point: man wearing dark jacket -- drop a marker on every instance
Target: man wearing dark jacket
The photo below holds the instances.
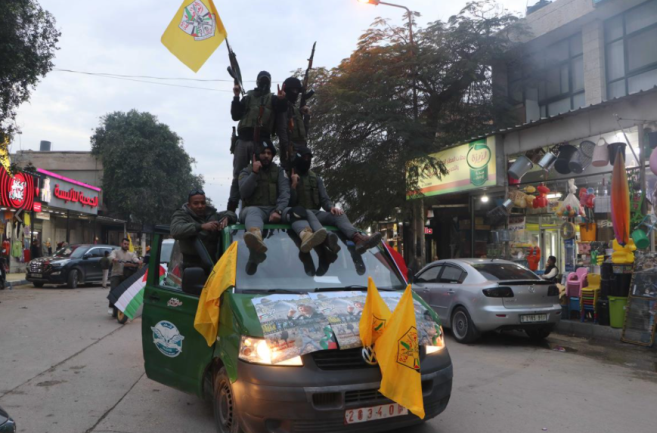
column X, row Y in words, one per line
column 293, row 135
column 257, row 114
column 308, row 191
column 198, row 220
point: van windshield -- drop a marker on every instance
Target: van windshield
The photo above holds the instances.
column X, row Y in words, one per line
column 284, row 268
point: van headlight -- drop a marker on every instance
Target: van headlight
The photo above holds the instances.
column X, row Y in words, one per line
column 438, row 344
column 257, row 351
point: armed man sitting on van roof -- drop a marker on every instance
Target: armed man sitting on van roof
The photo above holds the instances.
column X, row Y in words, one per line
column 265, row 192
column 308, row 192
column 196, row 219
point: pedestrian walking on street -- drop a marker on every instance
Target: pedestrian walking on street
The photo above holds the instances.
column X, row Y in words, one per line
column 121, row 258
column 195, row 219
column 105, row 264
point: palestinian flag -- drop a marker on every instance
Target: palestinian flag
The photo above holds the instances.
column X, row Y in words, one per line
column 129, row 295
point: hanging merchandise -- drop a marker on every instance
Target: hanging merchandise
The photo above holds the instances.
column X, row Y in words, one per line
column 500, row 213
column 614, row 148
column 9, row 215
column 533, row 257
column 17, row 249
column 580, row 160
column 565, row 154
column 620, row 200
column 567, row 230
column 640, row 236
column 570, row 207
column 587, row 202
column 518, row 198
column 26, row 219
column 601, row 154
column 623, row 255
column 588, row 232
column 529, row 198
column 541, row 201
column 520, row 167
column 548, row 160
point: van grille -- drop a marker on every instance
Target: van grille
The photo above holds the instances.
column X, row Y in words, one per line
column 340, row 359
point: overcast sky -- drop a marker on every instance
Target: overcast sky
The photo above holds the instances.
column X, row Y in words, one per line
column 123, row 37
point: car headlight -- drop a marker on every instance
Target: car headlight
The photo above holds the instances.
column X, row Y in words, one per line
column 257, row 351
column 438, row 344
column 59, row 264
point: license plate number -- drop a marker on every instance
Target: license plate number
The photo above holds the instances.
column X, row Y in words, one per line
column 354, row 416
column 529, row 318
column 37, row 275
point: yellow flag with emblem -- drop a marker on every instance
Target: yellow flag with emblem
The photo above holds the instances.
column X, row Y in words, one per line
column 222, row 277
column 131, row 247
column 194, row 33
column 374, row 317
column 398, row 354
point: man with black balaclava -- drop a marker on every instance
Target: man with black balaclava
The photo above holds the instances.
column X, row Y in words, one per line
column 294, row 135
column 257, row 116
column 265, row 192
column 307, row 191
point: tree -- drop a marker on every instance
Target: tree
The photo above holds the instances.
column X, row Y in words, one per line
column 364, row 132
column 28, row 41
column 147, row 172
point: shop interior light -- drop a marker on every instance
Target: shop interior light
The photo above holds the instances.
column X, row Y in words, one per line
column 484, row 198
column 554, row 195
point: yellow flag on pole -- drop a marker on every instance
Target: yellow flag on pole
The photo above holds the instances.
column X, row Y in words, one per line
column 398, row 354
column 131, row 247
column 194, row 33
column 4, row 154
column 222, row 277
column 374, row 317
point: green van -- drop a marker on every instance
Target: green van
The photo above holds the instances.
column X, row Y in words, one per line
column 323, row 391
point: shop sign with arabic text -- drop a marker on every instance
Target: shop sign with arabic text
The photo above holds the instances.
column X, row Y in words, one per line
column 73, row 197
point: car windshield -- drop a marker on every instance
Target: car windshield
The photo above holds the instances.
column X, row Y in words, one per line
column 71, row 251
column 504, row 271
column 284, row 268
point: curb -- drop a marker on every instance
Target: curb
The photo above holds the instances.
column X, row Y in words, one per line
column 588, row 330
column 12, row 284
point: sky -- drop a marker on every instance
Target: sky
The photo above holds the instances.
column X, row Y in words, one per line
column 123, row 37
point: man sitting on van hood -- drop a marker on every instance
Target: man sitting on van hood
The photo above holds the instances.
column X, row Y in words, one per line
column 308, row 191
column 265, row 191
column 196, row 219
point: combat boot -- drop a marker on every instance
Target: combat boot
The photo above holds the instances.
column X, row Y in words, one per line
column 310, row 240
column 253, row 240
column 364, row 242
column 332, row 242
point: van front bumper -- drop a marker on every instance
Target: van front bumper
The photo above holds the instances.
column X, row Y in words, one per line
column 308, row 399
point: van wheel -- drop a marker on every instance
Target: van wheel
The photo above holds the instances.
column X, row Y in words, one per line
column 120, row 316
column 463, row 329
column 73, row 279
column 223, row 404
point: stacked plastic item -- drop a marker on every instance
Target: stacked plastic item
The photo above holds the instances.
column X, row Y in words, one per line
column 575, row 281
column 589, row 298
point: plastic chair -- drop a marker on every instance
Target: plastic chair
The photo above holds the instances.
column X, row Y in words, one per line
column 575, row 281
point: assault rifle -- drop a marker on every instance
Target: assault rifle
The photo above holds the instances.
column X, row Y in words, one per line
column 234, row 68
column 305, row 94
column 233, row 141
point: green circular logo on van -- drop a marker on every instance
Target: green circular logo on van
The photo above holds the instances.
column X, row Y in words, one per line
column 478, row 157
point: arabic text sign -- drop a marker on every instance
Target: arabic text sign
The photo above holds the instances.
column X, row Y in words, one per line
column 73, row 197
column 470, row 166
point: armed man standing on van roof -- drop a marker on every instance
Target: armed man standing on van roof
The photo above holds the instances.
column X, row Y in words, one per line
column 265, row 191
column 257, row 114
column 196, row 219
column 294, row 135
column 308, row 192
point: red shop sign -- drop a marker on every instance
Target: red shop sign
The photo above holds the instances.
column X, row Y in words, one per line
column 18, row 191
column 75, row 196
column 37, row 207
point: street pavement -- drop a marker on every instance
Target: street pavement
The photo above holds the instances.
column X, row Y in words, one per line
column 65, row 366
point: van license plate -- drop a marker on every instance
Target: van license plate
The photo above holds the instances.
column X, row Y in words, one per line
column 533, row 318
column 37, row 275
column 353, row 416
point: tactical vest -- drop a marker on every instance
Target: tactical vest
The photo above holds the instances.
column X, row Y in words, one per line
column 266, row 192
column 308, row 191
column 298, row 130
column 250, row 118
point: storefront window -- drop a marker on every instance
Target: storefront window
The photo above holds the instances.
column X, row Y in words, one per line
column 631, row 50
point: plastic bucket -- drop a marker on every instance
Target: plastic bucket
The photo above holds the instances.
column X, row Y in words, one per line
column 547, row 161
column 617, row 311
column 601, row 155
column 581, row 159
column 520, row 167
column 603, row 312
column 566, row 152
column 614, row 149
column 640, row 239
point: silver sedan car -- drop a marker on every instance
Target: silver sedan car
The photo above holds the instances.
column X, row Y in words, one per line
column 472, row 296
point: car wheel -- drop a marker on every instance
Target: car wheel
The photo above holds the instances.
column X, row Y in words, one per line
column 73, row 279
column 223, row 404
column 38, row 285
column 538, row 334
column 120, row 316
column 462, row 327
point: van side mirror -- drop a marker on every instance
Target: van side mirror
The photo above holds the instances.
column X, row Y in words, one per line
column 193, row 281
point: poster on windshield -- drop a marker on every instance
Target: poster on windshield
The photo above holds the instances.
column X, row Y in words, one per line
column 428, row 329
column 343, row 311
column 293, row 326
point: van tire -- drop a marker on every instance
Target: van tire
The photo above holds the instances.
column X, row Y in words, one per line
column 226, row 419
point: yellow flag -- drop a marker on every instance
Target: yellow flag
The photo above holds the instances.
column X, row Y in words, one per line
column 131, row 248
column 4, row 154
column 194, row 33
column 398, row 353
column 375, row 315
column 222, row 277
